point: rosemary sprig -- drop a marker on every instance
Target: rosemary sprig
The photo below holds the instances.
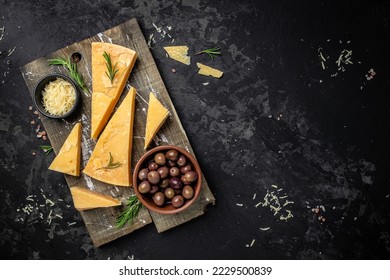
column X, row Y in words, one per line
column 111, row 70
column 46, row 149
column 72, row 68
column 111, row 164
column 131, row 211
column 211, row 52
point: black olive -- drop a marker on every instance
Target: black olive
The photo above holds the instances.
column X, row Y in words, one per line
column 171, row 163
column 191, row 176
column 159, row 198
column 143, row 174
column 160, row 159
column 178, row 201
column 153, row 177
column 182, row 160
column 154, row 189
column 187, row 192
column 185, row 169
column 163, row 171
column 164, row 183
column 169, row 193
column 144, row 187
column 175, row 183
column 174, row 171
column 172, row 155
column 184, row 180
column 153, row 166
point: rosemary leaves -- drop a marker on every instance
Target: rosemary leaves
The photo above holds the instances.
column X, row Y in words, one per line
column 111, row 71
column 72, row 68
column 46, row 149
column 211, row 52
column 111, row 164
column 131, row 211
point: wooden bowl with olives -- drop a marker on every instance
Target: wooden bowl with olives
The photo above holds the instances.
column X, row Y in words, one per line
column 167, row 179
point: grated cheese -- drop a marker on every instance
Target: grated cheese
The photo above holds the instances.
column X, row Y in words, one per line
column 58, row 97
column 276, row 204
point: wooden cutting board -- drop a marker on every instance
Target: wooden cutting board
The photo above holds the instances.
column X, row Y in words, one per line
column 146, row 78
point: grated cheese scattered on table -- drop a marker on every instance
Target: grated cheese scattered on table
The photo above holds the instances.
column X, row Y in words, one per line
column 38, row 208
column 277, row 204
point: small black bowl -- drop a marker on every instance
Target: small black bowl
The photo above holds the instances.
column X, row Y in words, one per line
column 38, row 95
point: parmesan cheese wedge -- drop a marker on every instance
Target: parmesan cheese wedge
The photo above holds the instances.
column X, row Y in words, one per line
column 157, row 114
column 179, row 53
column 68, row 158
column 208, row 71
column 110, row 161
column 105, row 94
column 84, row 199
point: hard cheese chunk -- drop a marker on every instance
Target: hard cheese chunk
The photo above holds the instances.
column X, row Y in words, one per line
column 111, row 159
column 105, row 94
column 179, row 53
column 68, row 158
column 157, row 115
column 84, row 199
column 208, row 71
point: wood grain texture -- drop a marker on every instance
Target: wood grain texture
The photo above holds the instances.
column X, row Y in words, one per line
column 146, row 78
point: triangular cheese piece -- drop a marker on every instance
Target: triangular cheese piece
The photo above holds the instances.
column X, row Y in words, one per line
column 179, row 53
column 84, row 199
column 105, row 94
column 209, row 71
column 110, row 161
column 157, row 115
column 68, row 158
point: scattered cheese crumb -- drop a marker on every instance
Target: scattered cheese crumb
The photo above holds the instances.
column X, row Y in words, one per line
column 11, row 51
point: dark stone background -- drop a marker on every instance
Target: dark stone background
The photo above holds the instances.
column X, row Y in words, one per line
column 275, row 118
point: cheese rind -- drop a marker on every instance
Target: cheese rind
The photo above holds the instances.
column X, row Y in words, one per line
column 84, row 199
column 105, row 94
column 117, row 140
column 68, row 158
column 157, row 114
column 179, row 53
column 209, row 71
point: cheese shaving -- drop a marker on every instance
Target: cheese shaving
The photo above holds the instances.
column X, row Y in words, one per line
column 179, row 53
column 209, row 71
column 58, row 97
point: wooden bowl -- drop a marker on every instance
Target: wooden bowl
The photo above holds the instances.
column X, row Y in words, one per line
column 147, row 199
column 38, row 95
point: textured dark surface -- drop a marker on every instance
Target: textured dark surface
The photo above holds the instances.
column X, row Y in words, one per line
column 275, row 118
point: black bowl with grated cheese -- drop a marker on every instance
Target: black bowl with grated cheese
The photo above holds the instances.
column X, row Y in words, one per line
column 59, row 96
